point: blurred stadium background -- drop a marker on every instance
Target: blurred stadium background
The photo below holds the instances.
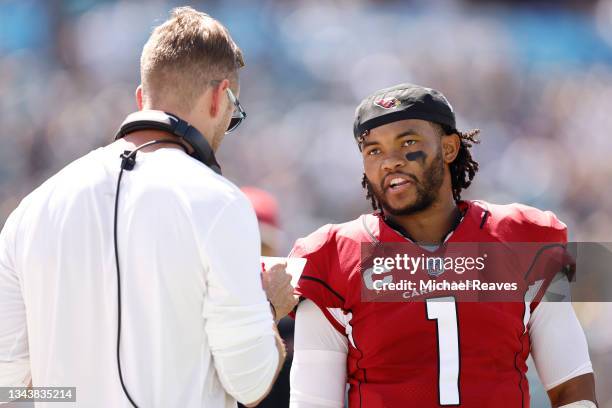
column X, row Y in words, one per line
column 534, row 76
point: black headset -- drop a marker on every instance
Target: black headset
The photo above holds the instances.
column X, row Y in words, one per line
column 182, row 133
column 167, row 122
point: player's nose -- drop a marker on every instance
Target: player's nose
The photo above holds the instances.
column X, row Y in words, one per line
column 393, row 162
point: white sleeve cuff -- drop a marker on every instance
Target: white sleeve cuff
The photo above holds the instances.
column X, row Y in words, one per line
column 580, row 404
column 586, row 368
column 244, row 349
column 15, row 374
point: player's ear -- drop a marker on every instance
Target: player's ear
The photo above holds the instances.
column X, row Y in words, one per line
column 218, row 97
column 450, row 147
column 139, row 97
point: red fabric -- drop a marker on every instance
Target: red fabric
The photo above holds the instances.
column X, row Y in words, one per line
column 393, row 352
column 265, row 205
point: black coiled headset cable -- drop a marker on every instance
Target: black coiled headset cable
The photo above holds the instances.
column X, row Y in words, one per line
column 127, row 163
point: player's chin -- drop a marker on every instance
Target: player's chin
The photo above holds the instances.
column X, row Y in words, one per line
column 399, row 207
column 399, row 201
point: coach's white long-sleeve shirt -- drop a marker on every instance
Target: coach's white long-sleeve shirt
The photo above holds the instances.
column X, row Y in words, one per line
column 196, row 328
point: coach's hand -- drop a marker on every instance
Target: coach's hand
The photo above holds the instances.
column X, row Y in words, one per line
column 277, row 285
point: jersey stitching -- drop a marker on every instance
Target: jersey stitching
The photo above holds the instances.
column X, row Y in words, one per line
column 365, row 378
column 322, row 282
column 520, row 384
column 537, row 255
column 337, row 324
column 485, row 215
column 370, row 233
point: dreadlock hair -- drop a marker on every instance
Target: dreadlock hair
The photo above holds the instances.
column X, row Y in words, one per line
column 462, row 169
column 369, row 194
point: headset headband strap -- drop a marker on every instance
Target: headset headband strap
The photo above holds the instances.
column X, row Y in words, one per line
column 167, row 122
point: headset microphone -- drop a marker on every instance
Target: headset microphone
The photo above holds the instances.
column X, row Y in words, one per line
column 182, row 132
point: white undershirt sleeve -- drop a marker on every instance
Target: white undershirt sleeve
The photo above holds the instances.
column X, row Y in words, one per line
column 558, row 344
column 238, row 320
column 318, row 372
column 14, row 354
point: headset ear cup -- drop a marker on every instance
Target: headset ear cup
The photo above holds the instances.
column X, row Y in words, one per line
column 201, row 149
column 146, row 120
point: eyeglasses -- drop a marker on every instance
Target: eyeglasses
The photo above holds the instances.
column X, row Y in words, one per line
column 238, row 115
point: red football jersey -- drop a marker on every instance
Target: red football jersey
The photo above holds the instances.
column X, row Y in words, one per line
column 417, row 354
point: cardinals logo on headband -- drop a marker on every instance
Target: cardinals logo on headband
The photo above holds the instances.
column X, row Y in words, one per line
column 387, row 103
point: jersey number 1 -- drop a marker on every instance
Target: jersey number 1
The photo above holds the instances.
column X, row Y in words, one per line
column 444, row 311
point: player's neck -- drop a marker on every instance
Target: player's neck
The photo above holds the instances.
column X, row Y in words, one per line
column 431, row 225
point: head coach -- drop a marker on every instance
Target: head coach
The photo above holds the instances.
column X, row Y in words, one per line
column 134, row 273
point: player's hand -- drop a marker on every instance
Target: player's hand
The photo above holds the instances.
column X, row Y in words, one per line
column 277, row 285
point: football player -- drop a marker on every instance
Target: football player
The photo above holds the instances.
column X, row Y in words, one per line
column 426, row 354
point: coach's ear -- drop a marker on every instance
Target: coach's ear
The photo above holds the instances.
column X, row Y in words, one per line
column 450, row 147
column 219, row 98
column 139, row 97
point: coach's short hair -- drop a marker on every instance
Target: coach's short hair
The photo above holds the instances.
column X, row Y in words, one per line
column 184, row 55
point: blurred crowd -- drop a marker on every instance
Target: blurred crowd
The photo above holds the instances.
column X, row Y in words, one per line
column 535, row 77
